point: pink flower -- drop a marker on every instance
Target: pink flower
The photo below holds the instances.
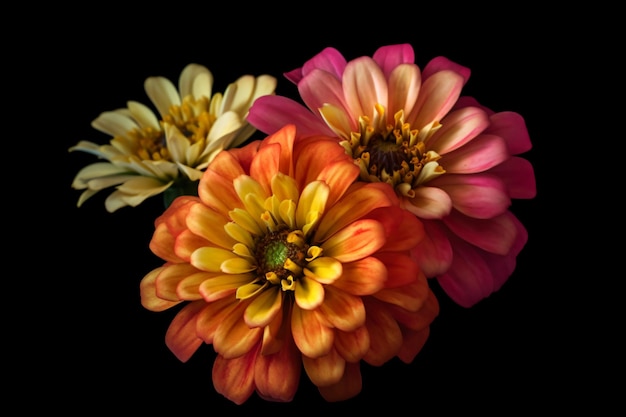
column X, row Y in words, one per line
column 454, row 163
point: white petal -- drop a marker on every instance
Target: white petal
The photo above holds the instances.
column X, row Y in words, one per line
column 196, row 80
column 143, row 115
column 162, row 93
column 114, row 124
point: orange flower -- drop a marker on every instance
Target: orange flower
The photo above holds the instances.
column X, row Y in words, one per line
column 286, row 263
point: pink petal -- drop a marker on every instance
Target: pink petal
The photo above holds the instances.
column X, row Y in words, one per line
column 364, row 86
column 404, row 86
column 319, row 88
column 389, row 57
column 437, row 96
column 512, row 127
column 477, row 195
column 458, row 128
column 428, row 203
column 480, row 154
column 272, row 112
column 329, row 60
column 441, row 63
column 469, row 279
column 519, row 176
column 495, row 235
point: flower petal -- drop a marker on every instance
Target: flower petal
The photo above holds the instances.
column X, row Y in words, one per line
column 325, row 370
column 234, row 377
column 342, row 310
column 312, row 337
column 181, row 337
column 359, row 240
column 362, row 277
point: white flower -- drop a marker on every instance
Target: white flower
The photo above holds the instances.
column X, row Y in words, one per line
column 148, row 155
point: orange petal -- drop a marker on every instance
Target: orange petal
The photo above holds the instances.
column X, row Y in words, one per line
column 410, row 297
column 325, row 370
column 162, row 244
column 413, row 342
column 385, row 334
column 209, row 224
column 362, row 277
column 233, row 337
column 181, row 337
column 401, row 268
column 349, row 386
column 211, row 317
column 234, row 378
column 147, row 290
column 277, row 376
column 342, row 310
column 169, row 278
column 312, row 337
column 285, row 137
column 351, row 207
column 352, row 346
column 359, row 240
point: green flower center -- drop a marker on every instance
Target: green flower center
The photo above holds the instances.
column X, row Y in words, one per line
column 281, row 256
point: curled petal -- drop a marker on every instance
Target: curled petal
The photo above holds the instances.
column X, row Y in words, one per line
column 324, row 270
column 428, row 203
column 309, row 293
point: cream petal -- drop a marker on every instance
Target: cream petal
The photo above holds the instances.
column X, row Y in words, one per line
column 162, row 93
column 227, row 123
column 429, row 203
column 177, row 143
column 195, row 80
column 144, row 116
column 114, row 123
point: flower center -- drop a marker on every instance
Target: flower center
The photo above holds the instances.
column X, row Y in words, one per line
column 395, row 154
column 192, row 118
column 281, row 256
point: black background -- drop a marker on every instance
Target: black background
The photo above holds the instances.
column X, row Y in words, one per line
column 97, row 349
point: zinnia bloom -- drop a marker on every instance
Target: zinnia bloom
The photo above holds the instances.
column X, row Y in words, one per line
column 454, row 163
column 285, row 262
column 148, row 155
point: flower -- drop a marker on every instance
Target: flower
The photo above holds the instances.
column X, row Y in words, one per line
column 149, row 156
column 453, row 162
column 285, row 262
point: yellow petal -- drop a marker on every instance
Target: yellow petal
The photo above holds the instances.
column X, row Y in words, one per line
column 221, row 286
column 311, row 205
column 264, row 307
column 324, row 269
column 309, row 293
column 210, row 259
